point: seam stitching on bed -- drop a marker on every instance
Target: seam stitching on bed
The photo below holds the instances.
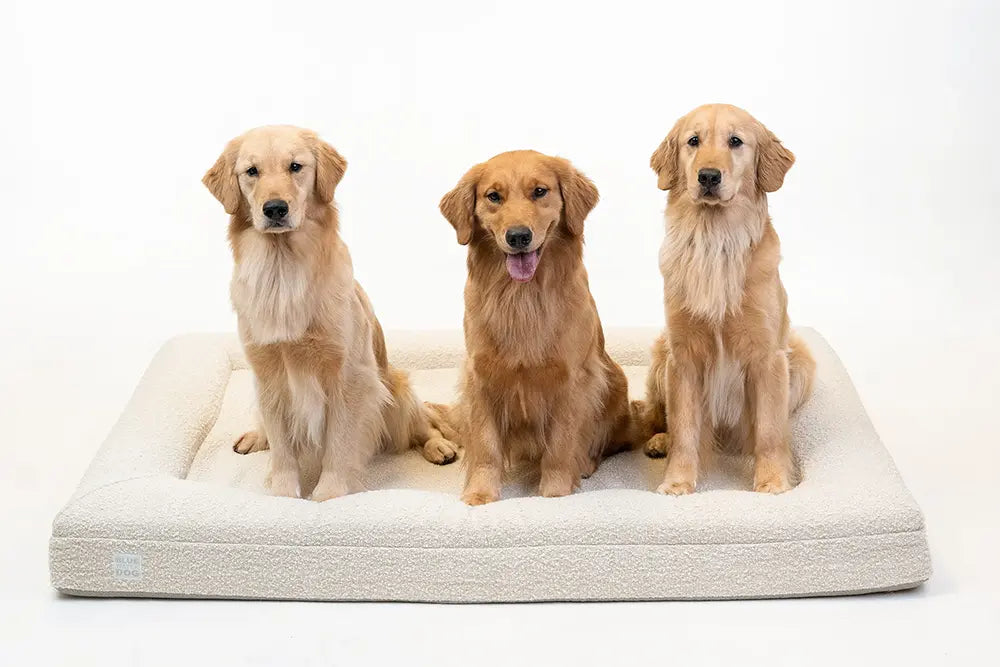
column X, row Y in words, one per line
column 489, row 548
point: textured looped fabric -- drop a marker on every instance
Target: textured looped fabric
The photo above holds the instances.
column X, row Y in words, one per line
column 167, row 509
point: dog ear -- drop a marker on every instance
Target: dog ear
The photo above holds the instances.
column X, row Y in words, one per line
column 579, row 195
column 459, row 206
column 330, row 168
column 773, row 161
column 664, row 160
column 221, row 178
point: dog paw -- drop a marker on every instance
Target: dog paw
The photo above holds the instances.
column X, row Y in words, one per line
column 556, row 483
column 440, row 451
column 479, row 497
column 656, row 447
column 676, row 486
column 774, row 485
column 332, row 485
column 772, row 476
column 555, row 490
column 250, row 442
column 286, row 486
column 322, row 495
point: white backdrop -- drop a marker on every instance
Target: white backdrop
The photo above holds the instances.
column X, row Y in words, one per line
column 112, row 113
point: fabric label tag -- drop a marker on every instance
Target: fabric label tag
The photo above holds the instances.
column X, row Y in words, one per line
column 127, row 566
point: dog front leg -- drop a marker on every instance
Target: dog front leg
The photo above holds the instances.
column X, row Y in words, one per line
column 283, row 478
column 684, row 405
column 559, row 467
column 484, row 459
column 769, row 386
column 352, row 437
column 566, row 455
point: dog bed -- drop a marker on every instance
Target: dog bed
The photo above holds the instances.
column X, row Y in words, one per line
column 167, row 509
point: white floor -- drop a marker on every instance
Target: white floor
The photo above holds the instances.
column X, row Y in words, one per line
column 935, row 417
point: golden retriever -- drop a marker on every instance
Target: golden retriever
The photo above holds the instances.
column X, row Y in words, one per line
column 728, row 370
column 537, row 384
column 328, row 398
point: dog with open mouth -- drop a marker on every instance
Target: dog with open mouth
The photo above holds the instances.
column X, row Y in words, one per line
column 537, row 385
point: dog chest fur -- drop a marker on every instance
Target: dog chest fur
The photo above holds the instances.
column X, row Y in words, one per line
column 724, row 388
column 269, row 290
column 704, row 264
column 519, row 393
column 306, row 407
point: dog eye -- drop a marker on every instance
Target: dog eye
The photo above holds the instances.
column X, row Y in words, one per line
column 693, row 141
column 493, row 197
column 294, row 167
column 252, row 171
column 540, row 192
column 735, row 142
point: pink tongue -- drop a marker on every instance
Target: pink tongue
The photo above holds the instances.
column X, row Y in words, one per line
column 522, row 267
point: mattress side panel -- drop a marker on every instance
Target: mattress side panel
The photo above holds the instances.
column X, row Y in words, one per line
column 517, row 574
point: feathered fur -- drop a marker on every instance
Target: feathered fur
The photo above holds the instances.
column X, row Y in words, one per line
column 537, row 386
column 727, row 370
column 327, row 397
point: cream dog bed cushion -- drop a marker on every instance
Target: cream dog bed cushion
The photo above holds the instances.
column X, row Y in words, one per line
column 167, row 509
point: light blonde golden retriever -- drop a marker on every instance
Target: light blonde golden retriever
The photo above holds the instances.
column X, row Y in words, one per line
column 327, row 396
column 537, row 384
column 728, row 370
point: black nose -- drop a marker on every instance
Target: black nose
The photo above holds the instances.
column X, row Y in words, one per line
column 518, row 238
column 709, row 178
column 276, row 209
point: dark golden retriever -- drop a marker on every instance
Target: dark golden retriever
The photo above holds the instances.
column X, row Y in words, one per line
column 537, row 385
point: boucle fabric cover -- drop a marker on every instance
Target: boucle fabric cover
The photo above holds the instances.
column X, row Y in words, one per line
column 167, row 509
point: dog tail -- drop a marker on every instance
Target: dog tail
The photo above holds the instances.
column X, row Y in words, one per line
column 402, row 414
column 631, row 430
column 801, row 371
column 645, row 422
